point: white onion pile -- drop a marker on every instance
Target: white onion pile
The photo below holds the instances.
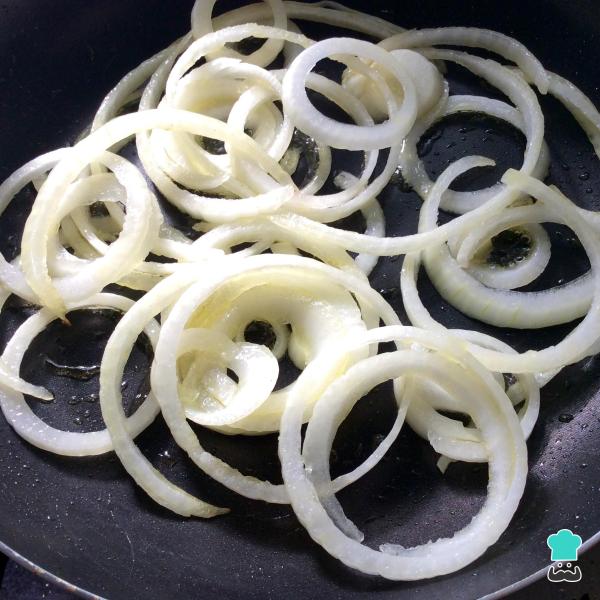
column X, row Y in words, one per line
column 295, row 271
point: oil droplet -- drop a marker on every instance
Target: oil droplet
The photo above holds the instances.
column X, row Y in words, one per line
column 584, row 176
column 565, row 418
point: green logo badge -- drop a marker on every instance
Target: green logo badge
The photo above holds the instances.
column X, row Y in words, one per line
column 564, row 545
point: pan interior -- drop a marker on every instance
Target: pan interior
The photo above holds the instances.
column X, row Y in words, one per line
column 85, row 521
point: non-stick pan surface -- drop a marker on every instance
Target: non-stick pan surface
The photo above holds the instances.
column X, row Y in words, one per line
column 86, row 522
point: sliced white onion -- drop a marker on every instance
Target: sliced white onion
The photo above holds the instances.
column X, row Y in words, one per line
column 489, row 407
column 340, row 135
column 31, row 427
column 266, row 253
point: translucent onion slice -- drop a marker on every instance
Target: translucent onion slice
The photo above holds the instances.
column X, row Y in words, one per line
column 572, row 348
column 340, row 135
column 510, row 308
column 425, row 76
column 326, row 12
column 489, row 407
column 472, row 37
column 202, row 24
column 115, row 355
column 211, row 403
column 10, row 275
column 528, row 118
column 450, row 437
column 119, row 347
column 36, row 235
column 30, row 427
column 164, row 381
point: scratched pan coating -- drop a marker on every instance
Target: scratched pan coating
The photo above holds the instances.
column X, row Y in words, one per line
column 84, row 521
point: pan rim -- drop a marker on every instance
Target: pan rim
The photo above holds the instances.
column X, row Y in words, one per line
column 45, row 574
column 79, row 591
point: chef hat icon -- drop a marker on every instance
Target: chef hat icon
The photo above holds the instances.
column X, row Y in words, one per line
column 564, row 545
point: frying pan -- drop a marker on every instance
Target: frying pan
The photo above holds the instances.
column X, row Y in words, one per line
column 83, row 520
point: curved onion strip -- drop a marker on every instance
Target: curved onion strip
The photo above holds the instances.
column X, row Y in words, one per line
column 35, row 235
column 111, row 372
column 10, row 275
column 248, row 361
column 139, row 231
column 413, row 169
column 202, row 24
column 119, row 347
column 164, row 382
column 472, row 37
column 340, row 135
column 331, row 207
column 510, row 308
column 129, row 85
column 392, row 246
column 326, row 12
column 449, row 436
column 572, row 348
column 203, row 46
column 508, row 458
column 521, row 273
column 529, row 119
column 31, row 427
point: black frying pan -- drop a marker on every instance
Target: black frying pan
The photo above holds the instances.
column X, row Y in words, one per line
column 85, row 521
